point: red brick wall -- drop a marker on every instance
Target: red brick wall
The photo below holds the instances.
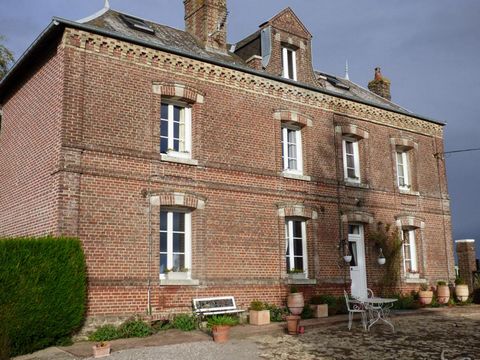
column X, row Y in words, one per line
column 110, row 161
column 29, row 149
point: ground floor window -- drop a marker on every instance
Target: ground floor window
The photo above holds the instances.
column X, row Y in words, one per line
column 175, row 241
column 410, row 265
column 296, row 245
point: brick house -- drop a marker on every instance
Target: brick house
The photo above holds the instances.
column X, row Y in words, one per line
column 238, row 167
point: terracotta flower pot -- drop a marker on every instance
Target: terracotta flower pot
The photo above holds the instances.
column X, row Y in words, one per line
column 443, row 294
column 101, row 350
column 425, row 297
column 292, row 324
column 461, row 291
column 220, row 333
column 295, row 303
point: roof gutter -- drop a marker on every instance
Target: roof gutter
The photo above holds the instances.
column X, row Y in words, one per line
column 59, row 21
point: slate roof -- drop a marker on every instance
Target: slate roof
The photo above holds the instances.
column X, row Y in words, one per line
column 110, row 23
column 163, row 36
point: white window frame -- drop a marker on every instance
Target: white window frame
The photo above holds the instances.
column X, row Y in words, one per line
column 299, row 150
column 406, row 171
column 356, row 159
column 411, row 256
column 188, row 241
column 289, row 244
column 286, row 73
column 186, row 112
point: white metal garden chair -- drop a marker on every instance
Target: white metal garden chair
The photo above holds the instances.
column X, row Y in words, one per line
column 355, row 306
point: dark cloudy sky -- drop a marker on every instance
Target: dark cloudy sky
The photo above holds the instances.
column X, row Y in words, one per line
column 430, row 50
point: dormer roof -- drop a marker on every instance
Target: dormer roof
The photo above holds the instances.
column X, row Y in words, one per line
column 288, row 21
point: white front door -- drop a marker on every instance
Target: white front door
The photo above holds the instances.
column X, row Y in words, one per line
column 358, row 272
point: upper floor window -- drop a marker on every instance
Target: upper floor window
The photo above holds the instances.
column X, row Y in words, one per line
column 296, row 245
column 292, row 149
column 409, row 251
column 351, row 160
column 175, row 241
column 176, row 130
column 289, row 58
column 403, row 179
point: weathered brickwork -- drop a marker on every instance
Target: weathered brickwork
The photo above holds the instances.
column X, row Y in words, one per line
column 99, row 175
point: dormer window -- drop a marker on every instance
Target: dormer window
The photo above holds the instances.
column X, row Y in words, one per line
column 289, row 63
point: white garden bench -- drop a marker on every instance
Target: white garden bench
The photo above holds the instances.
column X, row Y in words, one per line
column 215, row 306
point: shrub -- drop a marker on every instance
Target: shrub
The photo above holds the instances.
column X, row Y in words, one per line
column 221, row 320
column 405, row 302
column 307, row 312
column 293, row 289
column 460, row 281
column 42, row 300
column 323, row 299
column 441, row 283
column 277, row 314
column 476, row 296
column 162, row 325
column 135, row 328
column 257, row 305
column 105, row 333
column 184, row 322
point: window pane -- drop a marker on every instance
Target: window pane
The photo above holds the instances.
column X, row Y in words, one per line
column 297, row 243
column 164, row 128
column 353, row 251
column 163, row 220
column 178, row 242
column 178, row 262
column 163, row 263
column 178, row 221
column 350, row 162
column 351, row 173
column 292, row 137
column 290, row 64
column 297, row 229
column 163, row 242
column 349, row 147
column 354, row 229
column 176, row 113
column 292, row 164
column 298, row 263
column 176, row 145
column 176, row 130
column 164, row 111
column 163, row 145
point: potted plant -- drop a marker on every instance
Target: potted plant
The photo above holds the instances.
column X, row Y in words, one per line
column 220, row 326
column 425, row 295
column 461, row 289
column 295, row 301
column 101, row 349
column 258, row 313
column 319, row 306
column 443, row 292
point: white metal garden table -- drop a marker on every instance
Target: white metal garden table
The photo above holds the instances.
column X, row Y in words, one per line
column 378, row 310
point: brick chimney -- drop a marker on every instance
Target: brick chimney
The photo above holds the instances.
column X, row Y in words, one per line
column 207, row 21
column 380, row 85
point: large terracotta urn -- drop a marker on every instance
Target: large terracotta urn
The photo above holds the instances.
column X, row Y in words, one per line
column 443, row 294
column 425, row 297
column 461, row 291
column 295, row 303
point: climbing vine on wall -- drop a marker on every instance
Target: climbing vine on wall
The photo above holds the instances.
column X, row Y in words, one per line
column 387, row 237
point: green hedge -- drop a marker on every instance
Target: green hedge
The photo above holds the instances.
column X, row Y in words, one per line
column 43, row 292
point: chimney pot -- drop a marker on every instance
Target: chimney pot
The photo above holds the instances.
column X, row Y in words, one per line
column 380, row 85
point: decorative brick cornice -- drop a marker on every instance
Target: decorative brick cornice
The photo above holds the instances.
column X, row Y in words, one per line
column 178, row 92
column 188, row 200
column 409, row 221
column 292, row 117
column 195, row 69
column 297, row 210
column 358, row 217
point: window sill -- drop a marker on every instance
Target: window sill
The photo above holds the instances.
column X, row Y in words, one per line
column 179, row 160
column 412, row 280
column 290, row 175
column 408, row 192
column 185, row 282
column 352, row 183
column 293, row 281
